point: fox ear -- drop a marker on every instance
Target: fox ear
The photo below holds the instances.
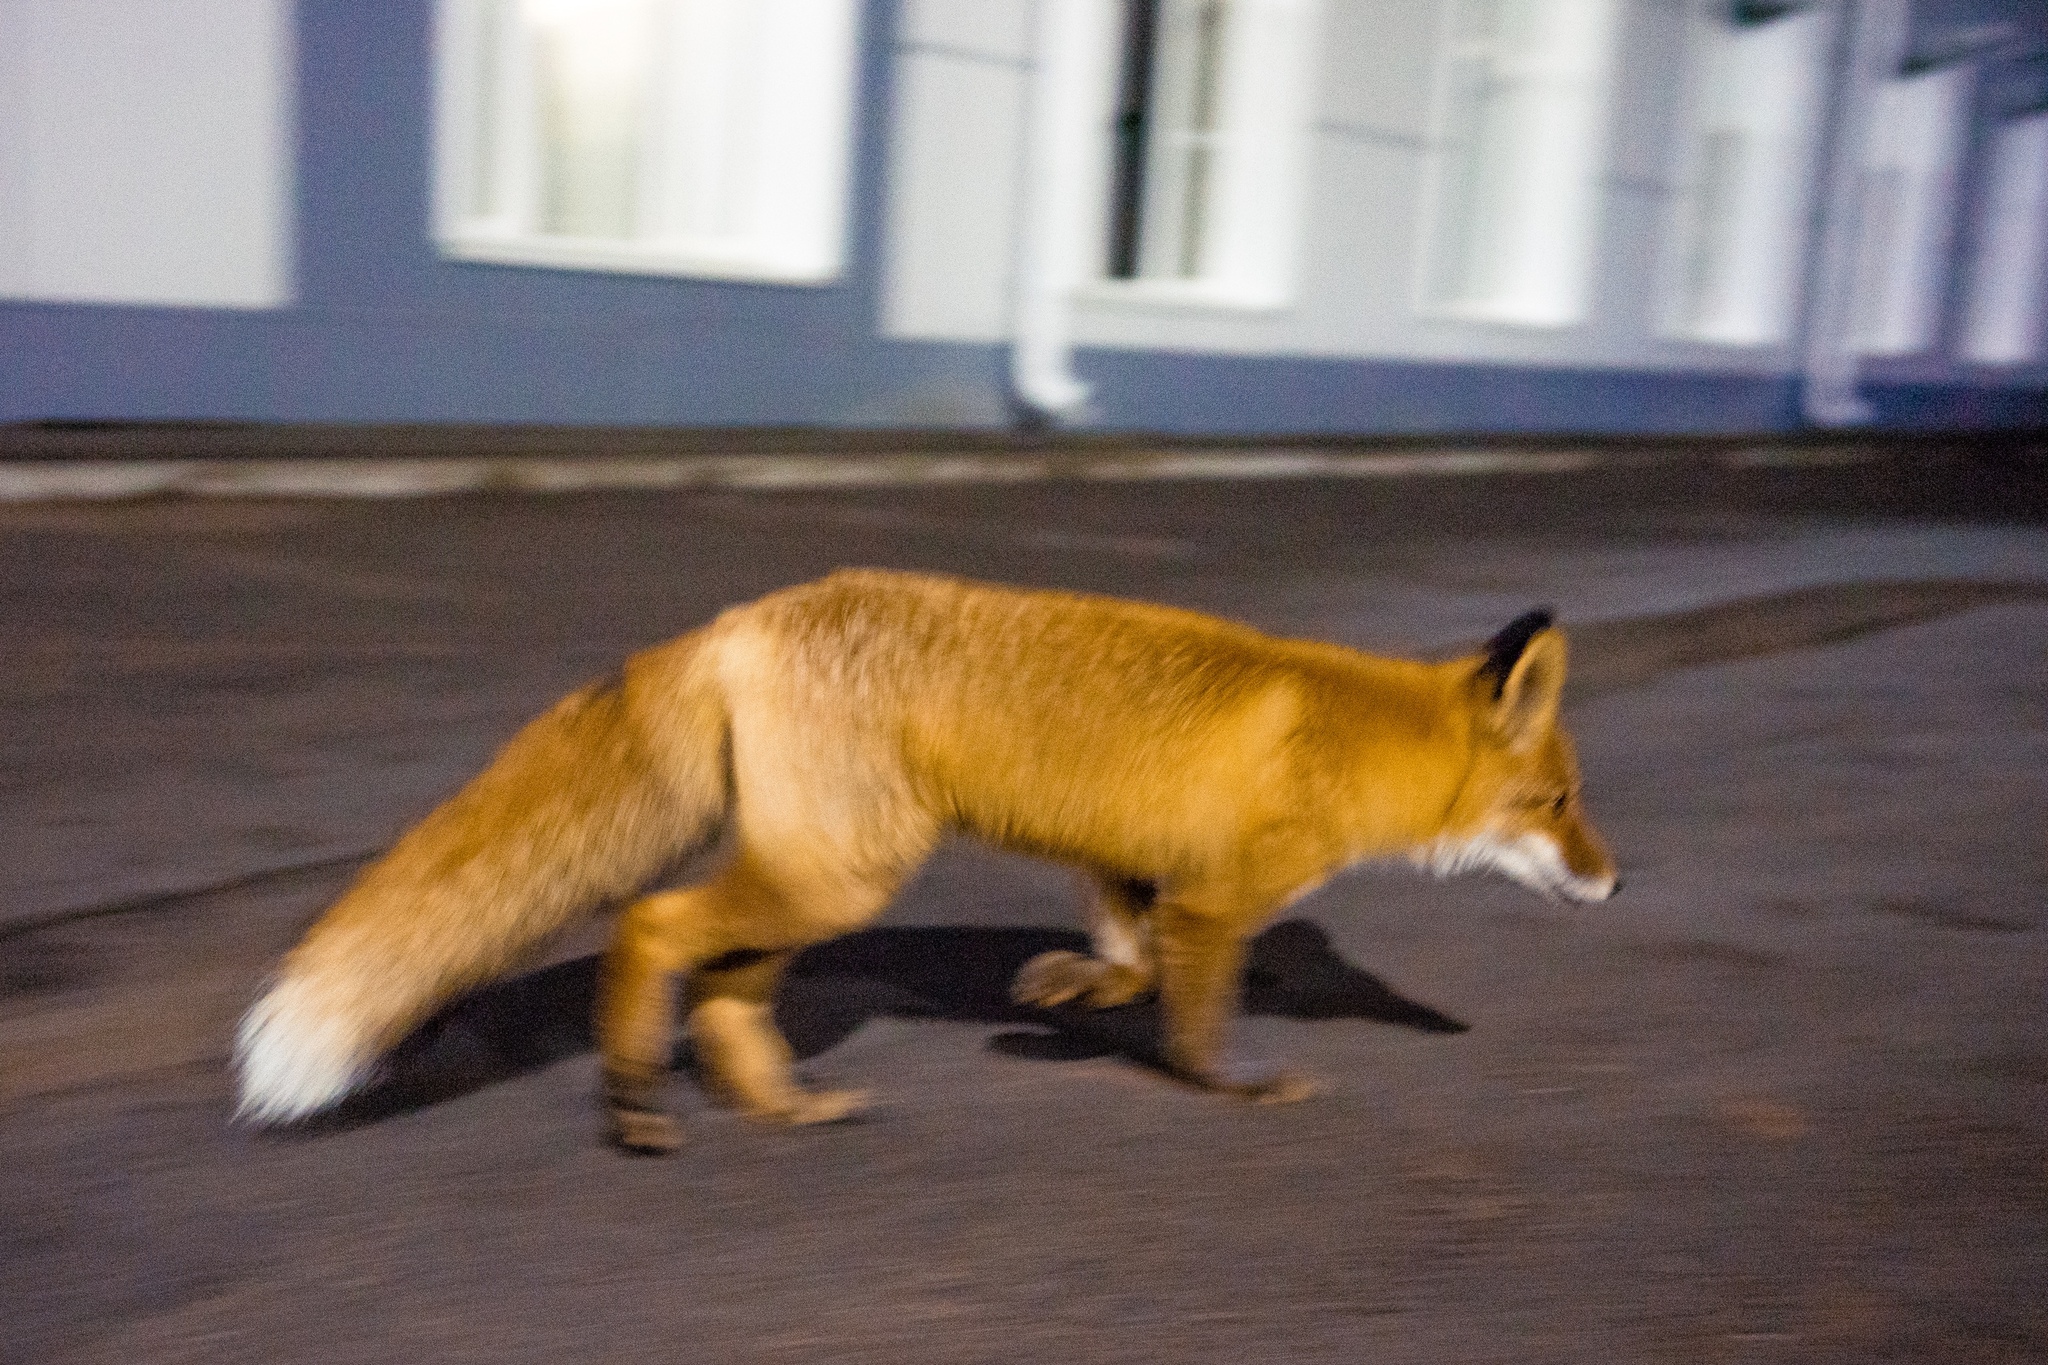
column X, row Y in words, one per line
column 1524, row 673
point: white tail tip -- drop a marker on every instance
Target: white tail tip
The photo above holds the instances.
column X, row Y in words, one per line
column 295, row 1058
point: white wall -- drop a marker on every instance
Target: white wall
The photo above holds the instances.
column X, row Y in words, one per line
column 146, row 152
column 953, row 171
column 2008, row 283
column 963, row 68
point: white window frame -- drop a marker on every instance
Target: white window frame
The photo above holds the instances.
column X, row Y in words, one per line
column 761, row 131
column 1251, row 211
column 1515, row 167
column 1746, row 183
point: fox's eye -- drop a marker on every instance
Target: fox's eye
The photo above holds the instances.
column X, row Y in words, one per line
column 1563, row 799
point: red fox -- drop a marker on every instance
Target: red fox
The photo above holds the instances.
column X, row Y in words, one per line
column 1203, row 775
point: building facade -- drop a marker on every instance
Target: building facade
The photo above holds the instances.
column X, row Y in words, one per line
column 1184, row 216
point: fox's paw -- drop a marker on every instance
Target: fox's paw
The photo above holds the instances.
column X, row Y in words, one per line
column 1282, row 1087
column 823, row 1106
column 1258, row 1086
column 634, row 1118
column 643, row 1132
column 1061, row 977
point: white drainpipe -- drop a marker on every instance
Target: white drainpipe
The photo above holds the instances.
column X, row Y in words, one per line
column 1058, row 149
column 1830, row 364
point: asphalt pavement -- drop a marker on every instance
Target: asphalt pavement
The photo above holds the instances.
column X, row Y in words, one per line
column 1785, row 1099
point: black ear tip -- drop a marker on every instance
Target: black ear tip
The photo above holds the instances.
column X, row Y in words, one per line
column 1505, row 648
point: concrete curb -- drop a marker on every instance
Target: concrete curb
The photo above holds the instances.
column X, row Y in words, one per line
column 114, row 480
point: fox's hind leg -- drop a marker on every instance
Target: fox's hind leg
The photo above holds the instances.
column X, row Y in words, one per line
column 732, row 936
column 746, row 1060
column 1120, row 970
column 773, row 907
column 657, row 937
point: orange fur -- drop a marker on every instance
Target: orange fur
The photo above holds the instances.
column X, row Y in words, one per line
column 1206, row 774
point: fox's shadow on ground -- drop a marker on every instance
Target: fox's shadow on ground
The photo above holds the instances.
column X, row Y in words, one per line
column 962, row 974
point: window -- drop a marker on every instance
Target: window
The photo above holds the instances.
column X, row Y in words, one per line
column 1517, row 148
column 1906, row 209
column 1745, row 187
column 1207, row 135
column 682, row 137
column 2007, row 297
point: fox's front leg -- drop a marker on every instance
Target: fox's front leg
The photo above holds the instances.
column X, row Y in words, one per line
column 1201, row 960
column 1120, row 970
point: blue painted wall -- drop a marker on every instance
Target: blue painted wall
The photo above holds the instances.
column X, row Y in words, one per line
column 1152, row 391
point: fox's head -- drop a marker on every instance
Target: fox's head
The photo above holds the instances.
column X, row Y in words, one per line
column 1519, row 811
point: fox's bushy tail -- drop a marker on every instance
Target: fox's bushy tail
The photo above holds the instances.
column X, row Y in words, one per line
column 583, row 806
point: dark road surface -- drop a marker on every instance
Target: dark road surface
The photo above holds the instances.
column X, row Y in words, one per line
column 1786, row 1099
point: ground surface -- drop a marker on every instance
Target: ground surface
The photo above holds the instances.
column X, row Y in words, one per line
column 1784, row 1100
